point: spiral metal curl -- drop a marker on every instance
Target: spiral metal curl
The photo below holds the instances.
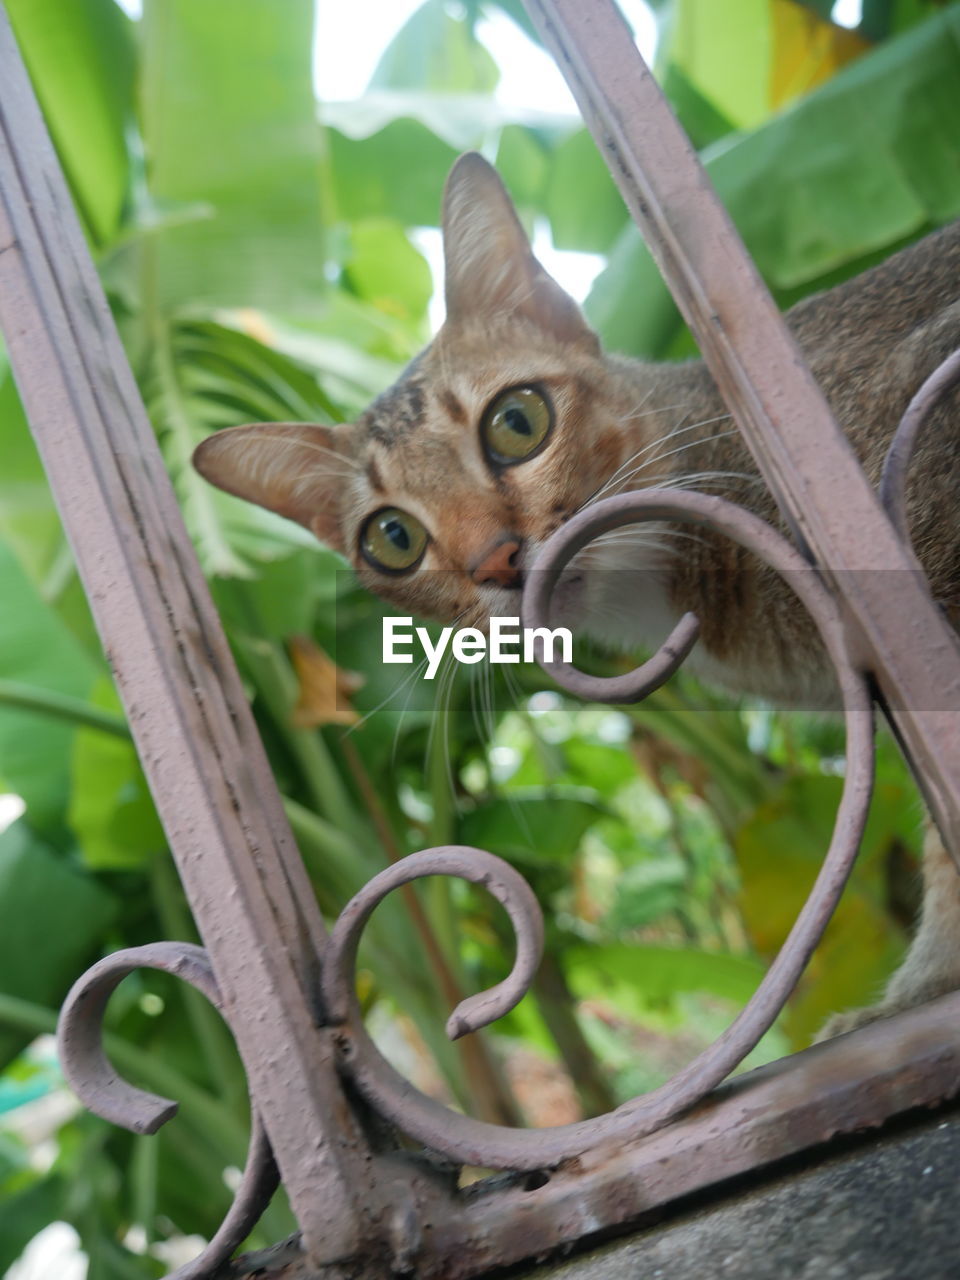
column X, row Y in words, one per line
column 464, row 1139
column 896, row 465
column 496, row 876
column 98, row 1086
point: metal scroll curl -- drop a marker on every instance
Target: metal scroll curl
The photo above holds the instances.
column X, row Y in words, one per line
column 466, row 1140
column 96, row 1083
column 893, row 481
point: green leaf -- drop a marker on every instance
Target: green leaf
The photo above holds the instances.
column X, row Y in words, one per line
column 657, row 974
column 373, row 173
column 724, row 50
column 385, row 269
column 248, row 375
column 629, row 304
column 698, row 115
column 741, row 61
column 355, row 350
column 585, row 208
column 823, row 8
column 647, row 891
column 81, row 59
column 437, row 52
column 779, row 852
column 28, row 518
column 538, row 827
column 523, row 162
column 224, row 379
column 283, row 600
column 883, row 18
column 593, row 764
column 36, row 649
column 54, row 917
column 25, row 1213
column 111, row 812
column 230, row 122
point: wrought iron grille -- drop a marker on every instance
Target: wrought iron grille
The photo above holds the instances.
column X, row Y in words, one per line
column 285, row 986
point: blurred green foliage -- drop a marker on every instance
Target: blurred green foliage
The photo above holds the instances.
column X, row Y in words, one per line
column 257, row 252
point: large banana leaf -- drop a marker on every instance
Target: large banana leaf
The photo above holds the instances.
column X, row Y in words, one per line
column 81, row 59
column 231, row 124
column 867, row 161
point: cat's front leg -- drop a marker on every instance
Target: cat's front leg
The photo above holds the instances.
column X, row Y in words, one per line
column 932, row 964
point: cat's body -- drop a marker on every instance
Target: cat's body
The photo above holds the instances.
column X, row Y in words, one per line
column 513, row 419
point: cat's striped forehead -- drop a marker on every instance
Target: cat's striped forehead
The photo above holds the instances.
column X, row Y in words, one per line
column 396, row 413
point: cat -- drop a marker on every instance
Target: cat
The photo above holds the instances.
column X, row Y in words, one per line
column 514, row 418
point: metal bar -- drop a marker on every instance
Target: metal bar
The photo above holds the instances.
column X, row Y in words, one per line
column 847, row 1086
column 893, row 481
column 188, row 714
column 784, row 417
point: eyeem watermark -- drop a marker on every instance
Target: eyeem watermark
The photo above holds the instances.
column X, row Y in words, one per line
column 506, row 641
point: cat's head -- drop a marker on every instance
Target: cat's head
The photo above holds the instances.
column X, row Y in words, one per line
column 443, row 491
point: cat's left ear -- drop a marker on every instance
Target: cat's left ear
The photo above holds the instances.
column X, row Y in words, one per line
column 293, row 468
column 490, row 267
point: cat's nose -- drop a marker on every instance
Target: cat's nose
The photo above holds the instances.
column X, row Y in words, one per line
column 499, row 563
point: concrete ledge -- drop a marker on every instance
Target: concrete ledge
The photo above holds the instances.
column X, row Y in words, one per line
column 886, row 1208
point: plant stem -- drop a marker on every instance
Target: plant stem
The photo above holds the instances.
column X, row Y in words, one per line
column 144, row 1179
column 556, row 1005
column 61, row 706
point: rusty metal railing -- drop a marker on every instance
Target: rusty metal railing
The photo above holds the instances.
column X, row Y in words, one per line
column 285, row 987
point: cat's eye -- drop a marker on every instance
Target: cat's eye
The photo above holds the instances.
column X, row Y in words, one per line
column 393, row 540
column 516, row 424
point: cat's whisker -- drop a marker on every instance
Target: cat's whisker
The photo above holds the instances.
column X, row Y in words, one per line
column 408, row 679
column 652, row 444
column 688, row 444
column 440, row 721
column 692, row 478
column 623, row 482
column 411, row 683
column 659, row 541
column 634, row 414
column 618, row 480
column 492, row 702
column 640, row 535
column 682, row 428
column 408, row 683
column 477, row 705
column 488, row 727
column 513, row 688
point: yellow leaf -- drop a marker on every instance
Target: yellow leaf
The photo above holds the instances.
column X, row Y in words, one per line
column 254, row 324
column 806, row 50
column 325, row 688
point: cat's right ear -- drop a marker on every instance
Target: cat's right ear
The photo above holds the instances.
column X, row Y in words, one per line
column 292, row 468
column 490, row 268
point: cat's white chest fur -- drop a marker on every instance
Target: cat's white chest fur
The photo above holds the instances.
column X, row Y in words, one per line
column 614, row 592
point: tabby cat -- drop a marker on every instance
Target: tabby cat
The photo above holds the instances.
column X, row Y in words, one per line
column 513, row 419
